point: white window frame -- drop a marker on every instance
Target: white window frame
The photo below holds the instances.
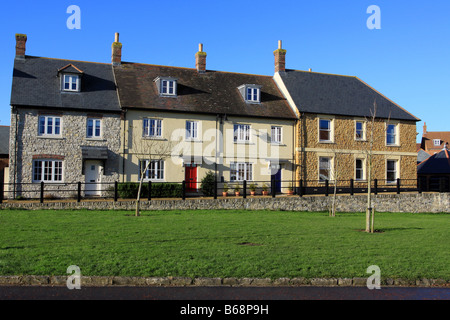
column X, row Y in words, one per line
column 192, row 130
column 330, row 168
column 69, row 79
column 42, row 168
column 47, row 126
column 147, row 124
column 167, row 86
column 242, row 133
column 437, row 142
column 277, row 134
column 362, row 169
column 396, row 171
column 396, row 134
column 363, row 130
column 253, row 94
column 95, row 121
column 155, row 172
column 330, row 130
column 241, row 171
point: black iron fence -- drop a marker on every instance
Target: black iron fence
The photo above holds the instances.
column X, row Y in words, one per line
column 183, row 190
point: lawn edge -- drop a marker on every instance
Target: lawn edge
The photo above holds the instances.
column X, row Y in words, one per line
column 87, row 281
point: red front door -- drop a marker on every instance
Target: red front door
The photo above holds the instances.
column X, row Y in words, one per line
column 191, row 178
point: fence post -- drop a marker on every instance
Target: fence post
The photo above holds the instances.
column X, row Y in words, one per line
column 79, row 192
column 352, row 187
column 42, row 192
column 245, row 189
column 273, row 186
column 215, row 187
column 116, row 191
column 300, row 191
column 326, row 187
column 149, row 191
column 184, row 190
column 419, row 185
column 2, row 185
column 398, row 186
column 375, row 187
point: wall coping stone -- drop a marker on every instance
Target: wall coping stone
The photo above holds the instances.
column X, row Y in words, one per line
column 87, row 281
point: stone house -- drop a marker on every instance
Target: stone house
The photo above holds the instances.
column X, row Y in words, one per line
column 342, row 123
column 65, row 126
column 238, row 126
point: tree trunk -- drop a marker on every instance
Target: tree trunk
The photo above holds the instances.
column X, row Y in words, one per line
column 138, row 200
column 369, row 195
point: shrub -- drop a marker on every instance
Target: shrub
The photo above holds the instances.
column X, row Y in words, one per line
column 129, row 190
column 208, row 184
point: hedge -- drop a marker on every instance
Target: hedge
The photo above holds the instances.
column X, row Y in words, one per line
column 129, row 190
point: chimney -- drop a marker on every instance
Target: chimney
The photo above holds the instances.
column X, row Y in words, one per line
column 424, row 128
column 116, row 51
column 21, row 40
column 280, row 58
column 200, row 59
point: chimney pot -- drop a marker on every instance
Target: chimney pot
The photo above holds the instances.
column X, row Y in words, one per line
column 116, row 51
column 200, row 59
column 280, row 58
column 21, row 40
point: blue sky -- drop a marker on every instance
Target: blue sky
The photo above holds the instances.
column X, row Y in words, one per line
column 408, row 59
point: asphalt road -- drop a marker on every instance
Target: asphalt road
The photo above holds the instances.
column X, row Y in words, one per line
column 223, row 293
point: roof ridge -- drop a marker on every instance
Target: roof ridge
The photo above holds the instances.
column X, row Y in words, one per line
column 324, row 73
column 194, row 69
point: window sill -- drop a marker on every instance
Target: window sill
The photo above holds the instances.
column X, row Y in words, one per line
column 193, row 140
column 279, row 144
column 154, row 138
column 326, row 141
column 51, row 137
column 96, row 139
column 243, row 142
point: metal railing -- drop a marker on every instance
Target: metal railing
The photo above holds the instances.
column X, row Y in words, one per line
column 188, row 189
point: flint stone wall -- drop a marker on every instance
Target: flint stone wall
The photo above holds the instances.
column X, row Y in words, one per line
column 414, row 203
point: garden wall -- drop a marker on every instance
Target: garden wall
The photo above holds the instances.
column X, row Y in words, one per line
column 415, row 203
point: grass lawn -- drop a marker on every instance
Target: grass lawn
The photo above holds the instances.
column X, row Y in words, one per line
column 223, row 244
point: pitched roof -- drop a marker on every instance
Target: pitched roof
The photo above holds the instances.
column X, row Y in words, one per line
column 4, row 139
column 323, row 93
column 36, row 84
column 436, row 164
column 213, row 92
column 429, row 137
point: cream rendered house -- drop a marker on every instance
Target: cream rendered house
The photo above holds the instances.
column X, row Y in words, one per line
column 187, row 122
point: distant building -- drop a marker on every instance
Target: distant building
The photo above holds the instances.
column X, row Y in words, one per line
column 434, row 173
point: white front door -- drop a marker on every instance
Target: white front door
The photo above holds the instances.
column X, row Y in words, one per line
column 93, row 178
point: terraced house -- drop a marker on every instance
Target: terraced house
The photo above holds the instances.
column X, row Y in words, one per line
column 65, row 125
column 344, row 127
column 238, row 126
column 99, row 123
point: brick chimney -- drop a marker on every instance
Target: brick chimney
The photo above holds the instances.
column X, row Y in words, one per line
column 424, row 128
column 280, row 58
column 200, row 59
column 116, row 51
column 21, row 40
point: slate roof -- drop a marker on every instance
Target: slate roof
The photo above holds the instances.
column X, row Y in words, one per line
column 213, row 92
column 4, row 140
column 330, row 94
column 36, row 84
column 436, row 164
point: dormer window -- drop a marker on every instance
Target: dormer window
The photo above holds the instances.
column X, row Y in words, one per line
column 167, row 87
column 71, row 83
column 251, row 93
column 70, row 78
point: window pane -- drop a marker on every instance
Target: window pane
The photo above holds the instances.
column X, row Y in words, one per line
column 37, row 171
column 97, row 128
column 41, row 125
column 90, row 128
column 57, row 125
column 49, row 125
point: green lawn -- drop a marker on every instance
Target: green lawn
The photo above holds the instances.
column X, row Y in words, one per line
column 223, row 244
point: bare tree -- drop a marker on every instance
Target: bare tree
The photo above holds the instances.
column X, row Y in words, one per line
column 149, row 151
column 369, row 152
